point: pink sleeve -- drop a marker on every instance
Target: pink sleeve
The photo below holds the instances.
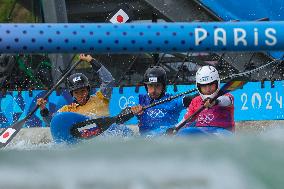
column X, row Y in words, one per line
column 190, row 109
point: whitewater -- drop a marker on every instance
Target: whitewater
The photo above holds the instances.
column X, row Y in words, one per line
column 248, row 160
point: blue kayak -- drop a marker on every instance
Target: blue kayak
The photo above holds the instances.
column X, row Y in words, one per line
column 190, row 131
column 204, row 131
column 61, row 124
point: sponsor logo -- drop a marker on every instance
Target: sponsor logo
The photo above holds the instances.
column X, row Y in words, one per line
column 153, row 79
column 75, row 79
column 204, row 79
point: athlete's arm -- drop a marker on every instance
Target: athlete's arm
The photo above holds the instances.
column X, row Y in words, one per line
column 107, row 80
column 44, row 112
column 46, row 116
column 186, row 100
column 224, row 101
column 105, row 76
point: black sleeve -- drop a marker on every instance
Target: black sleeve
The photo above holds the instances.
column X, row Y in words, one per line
column 187, row 99
column 46, row 116
column 95, row 65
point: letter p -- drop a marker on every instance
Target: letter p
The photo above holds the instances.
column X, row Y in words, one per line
column 200, row 35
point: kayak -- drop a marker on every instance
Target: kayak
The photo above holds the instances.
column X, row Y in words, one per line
column 190, row 131
column 61, row 124
column 204, row 131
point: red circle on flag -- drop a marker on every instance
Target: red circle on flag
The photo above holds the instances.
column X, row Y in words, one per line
column 119, row 18
column 7, row 134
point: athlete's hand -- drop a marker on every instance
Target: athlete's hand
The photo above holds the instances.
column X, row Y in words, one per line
column 207, row 103
column 137, row 110
column 87, row 58
column 171, row 131
column 41, row 103
column 73, row 105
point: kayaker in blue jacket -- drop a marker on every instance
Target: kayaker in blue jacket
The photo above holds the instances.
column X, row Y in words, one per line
column 155, row 121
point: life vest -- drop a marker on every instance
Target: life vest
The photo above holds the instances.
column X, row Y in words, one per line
column 164, row 115
column 97, row 105
column 216, row 116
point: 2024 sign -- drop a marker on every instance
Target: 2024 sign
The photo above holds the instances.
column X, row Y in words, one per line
column 267, row 100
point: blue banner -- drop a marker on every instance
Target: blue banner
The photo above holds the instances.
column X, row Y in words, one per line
column 251, row 103
column 256, row 103
column 145, row 37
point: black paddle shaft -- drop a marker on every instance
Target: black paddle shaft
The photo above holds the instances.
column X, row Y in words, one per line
column 233, row 76
column 106, row 123
column 53, row 88
column 192, row 116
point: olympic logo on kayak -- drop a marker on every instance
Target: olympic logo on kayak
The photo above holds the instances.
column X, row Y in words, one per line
column 156, row 113
column 205, row 118
column 125, row 102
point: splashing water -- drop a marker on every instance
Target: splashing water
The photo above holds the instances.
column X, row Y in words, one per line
column 243, row 161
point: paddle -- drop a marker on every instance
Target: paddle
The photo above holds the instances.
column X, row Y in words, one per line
column 83, row 129
column 99, row 125
column 95, row 127
column 9, row 133
column 230, row 86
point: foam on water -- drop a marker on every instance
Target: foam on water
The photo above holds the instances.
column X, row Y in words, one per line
column 243, row 161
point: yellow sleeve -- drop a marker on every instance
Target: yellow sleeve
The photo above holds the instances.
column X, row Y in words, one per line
column 67, row 108
column 100, row 95
column 63, row 109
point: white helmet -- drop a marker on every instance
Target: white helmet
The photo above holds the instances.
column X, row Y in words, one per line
column 205, row 75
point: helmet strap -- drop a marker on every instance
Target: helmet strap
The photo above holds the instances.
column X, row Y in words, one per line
column 162, row 93
column 87, row 99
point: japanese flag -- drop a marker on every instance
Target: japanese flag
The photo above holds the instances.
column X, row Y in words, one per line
column 120, row 17
column 6, row 135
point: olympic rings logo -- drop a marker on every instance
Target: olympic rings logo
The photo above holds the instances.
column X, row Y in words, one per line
column 156, row 113
column 125, row 102
column 205, row 118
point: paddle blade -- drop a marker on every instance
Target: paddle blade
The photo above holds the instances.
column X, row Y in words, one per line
column 9, row 133
column 232, row 85
column 91, row 128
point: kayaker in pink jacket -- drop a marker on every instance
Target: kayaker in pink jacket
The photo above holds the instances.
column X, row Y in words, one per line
column 219, row 114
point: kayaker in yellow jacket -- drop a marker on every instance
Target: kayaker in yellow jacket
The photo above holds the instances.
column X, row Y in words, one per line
column 79, row 87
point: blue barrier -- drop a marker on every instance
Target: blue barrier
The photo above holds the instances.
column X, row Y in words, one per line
column 251, row 103
column 246, row 10
column 234, row 10
column 146, row 37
